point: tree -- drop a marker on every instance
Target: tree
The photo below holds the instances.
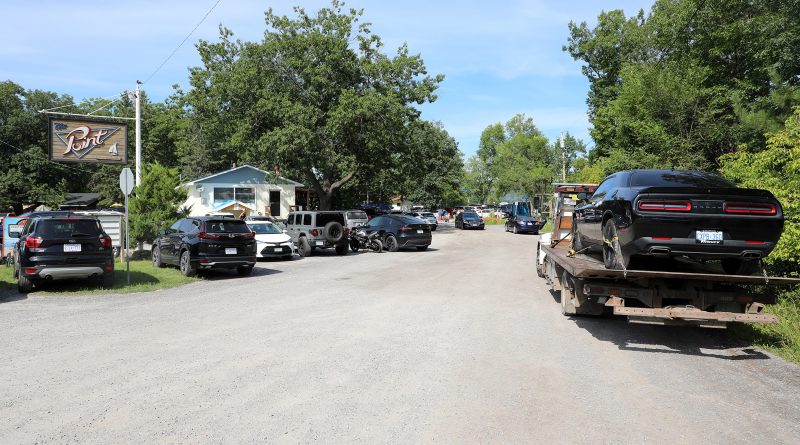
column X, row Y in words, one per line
column 156, row 202
column 434, row 169
column 525, row 161
column 477, row 180
column 315, row 96
column 777, row 169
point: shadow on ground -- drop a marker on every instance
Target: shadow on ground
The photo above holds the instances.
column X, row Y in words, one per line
column 685, row 340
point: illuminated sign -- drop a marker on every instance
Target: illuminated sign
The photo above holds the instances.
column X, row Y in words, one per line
column 93, row 141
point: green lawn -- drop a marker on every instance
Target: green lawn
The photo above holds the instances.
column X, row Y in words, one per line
column 144, row 278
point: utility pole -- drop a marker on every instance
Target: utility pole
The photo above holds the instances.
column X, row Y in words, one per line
column 563, row 158
column 138, row 134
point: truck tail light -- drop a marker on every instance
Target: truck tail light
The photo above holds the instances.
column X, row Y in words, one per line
column 750, row 208
column 33, row 243
column 665, row 206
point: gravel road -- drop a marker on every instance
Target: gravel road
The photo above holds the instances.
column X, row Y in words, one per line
column 458, row 344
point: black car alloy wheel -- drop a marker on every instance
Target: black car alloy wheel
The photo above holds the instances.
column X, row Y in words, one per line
column 186, row 265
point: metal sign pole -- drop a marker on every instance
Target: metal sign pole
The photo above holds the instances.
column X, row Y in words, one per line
column 127, row 243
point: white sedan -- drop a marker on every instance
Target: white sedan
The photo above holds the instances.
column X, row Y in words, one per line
column 271, row 241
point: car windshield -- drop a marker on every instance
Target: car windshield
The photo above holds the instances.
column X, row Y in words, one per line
column 227, row 226
column 470, row 215
column 69, row 228
column 677, row 178
column 265, row 228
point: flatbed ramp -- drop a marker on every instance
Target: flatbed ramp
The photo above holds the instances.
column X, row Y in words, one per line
column 672, row 292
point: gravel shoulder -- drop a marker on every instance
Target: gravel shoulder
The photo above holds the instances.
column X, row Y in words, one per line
column 458, row 344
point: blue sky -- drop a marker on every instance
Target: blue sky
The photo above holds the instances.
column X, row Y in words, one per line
column 499, row 58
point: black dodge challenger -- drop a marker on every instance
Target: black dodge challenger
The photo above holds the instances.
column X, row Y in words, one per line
column 678, row 213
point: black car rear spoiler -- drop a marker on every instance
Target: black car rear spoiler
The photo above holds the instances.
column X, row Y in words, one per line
column 718, row 191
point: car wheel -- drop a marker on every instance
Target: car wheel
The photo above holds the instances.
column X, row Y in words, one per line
column 244, row 271
column 391, row 243
column 107, row 281
column 376, row 246
column 303, row 248
column 157, row 257
column 516, row 230
column 354, row 245
column 736, row 266
column 422, row 247
column 186, row 265
column 24, row 284
column 341, row 249
column 612, row 253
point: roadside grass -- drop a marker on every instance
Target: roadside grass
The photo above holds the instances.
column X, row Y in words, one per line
column 783, row 338
column 493, row 221
column 547, row 227
column 144, row 278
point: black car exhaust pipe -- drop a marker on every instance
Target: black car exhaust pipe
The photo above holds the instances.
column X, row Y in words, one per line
column 660, row 251
column 751, row 255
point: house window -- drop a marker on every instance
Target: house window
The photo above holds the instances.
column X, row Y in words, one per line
column 246, row 195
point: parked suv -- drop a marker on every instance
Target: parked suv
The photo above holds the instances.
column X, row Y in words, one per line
column 312, row 230
column 206, row 242
column 62, row 246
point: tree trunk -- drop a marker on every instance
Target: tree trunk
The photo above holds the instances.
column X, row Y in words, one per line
column 326, row 189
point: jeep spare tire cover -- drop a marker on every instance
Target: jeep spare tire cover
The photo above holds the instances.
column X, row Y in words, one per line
column 333, row 232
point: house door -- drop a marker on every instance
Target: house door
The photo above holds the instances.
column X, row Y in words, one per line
column 275, row 202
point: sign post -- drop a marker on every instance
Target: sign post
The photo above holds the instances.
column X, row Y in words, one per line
column 126, row 185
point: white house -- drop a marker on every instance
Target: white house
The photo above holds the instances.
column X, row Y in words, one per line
column 245, row 189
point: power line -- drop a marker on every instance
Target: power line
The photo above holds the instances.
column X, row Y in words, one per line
column 181, row 44
column 84, row 100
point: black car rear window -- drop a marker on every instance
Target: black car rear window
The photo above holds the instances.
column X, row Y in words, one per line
column 227, row 226
column 669, row 178
column 67, row 228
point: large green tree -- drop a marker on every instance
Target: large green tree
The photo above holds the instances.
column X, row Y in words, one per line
column 525, row 162
column 316, row 96
column 156, row 202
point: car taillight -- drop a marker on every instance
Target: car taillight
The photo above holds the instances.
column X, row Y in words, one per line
column 665, row 206
column 250, row 235
column 205, row 235
column 30, row 271
column 106, row 240
column 314, row 232
column 405, row 229
column 33, row 243
column 748, row 208
column 754, row 242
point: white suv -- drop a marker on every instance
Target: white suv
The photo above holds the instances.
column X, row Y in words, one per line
column 311, row 230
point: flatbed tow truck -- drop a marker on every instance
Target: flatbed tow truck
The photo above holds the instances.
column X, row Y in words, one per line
column 663, row 291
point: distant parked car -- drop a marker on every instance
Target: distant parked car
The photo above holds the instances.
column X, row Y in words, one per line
column 469, row 220
column 62, row 246
column 398, row 231
column 281, row 223
column 672, row 213
column 205, row 243
column 427, row 217
column 311, row 230
column 271, row 240
column 355, row 218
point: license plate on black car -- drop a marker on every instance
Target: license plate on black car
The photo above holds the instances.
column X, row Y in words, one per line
column 230, row 251
column 72, row 247
column 708, row 236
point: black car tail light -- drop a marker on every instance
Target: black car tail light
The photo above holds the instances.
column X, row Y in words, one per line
column 665, row 206
column 106, row 241
column 33, row 243
column 250, row 235
column 749, row 208
column 405, row 229
column 205, row 235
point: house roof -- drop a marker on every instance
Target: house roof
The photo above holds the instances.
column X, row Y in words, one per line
column 241, row 169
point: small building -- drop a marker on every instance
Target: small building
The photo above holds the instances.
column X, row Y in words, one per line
column 247, row 190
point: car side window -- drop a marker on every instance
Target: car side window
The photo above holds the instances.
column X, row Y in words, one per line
column 290, row 219
column 175, row 227
column 602, row 190
column 186, row 226
column 307, row 219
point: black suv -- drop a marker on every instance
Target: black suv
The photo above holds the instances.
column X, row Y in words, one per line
column 206, row 242
column 61, row 247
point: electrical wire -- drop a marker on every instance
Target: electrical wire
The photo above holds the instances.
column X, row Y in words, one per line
column 182, row 42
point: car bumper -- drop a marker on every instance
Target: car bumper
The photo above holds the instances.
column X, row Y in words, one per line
column 691, row 248
column 414, row 241
column 68, row 272
column 268, row 251
column 224, row 262
column 474, row 226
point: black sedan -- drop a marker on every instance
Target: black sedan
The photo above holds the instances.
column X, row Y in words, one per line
column 400, row 231
column 672, row 213
column 469, row 220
